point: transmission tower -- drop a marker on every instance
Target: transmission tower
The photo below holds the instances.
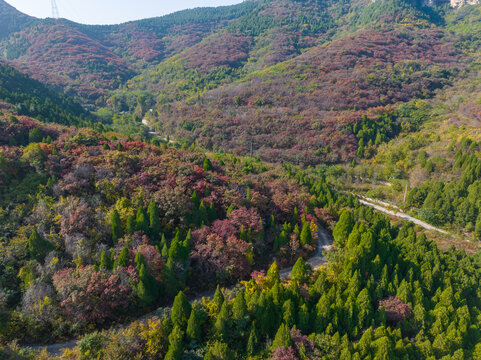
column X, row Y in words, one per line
column 55, row 14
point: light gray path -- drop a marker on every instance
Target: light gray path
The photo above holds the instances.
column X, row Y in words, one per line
column 153, row 133
column 400, row 214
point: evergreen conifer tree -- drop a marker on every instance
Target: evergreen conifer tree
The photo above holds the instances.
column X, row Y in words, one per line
column 141, row 221
column 154, row 220
column 181, row 310
column 124, row 258
column 306, row 235
column 38, row 247
column 130, row 225
column 117, row 231
column 282, row 338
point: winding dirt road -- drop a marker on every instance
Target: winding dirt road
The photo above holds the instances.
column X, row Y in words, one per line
column 324, row 243
column 399, row 214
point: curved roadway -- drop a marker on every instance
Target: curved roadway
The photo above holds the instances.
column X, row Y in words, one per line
column 324, row 243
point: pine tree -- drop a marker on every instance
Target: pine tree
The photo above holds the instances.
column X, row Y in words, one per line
column 306, row 235
column 253, row 341
column 239, row 309
column 288, row 313
column 165, row 251
column 277, row 293
column 211, row 213
column 195, row 200
column 207, row 165
column 175, row 344
column 130, row 225
column 139, row 260
column 282, row 338
column 343, row 228
column 170, row 281
column 141, row 221
column 34, row 136
column 242, row 234
column 38, row 247
column 175, row 249
column 218, row 299
column 120, row 146
column 295, row 216
column 188, row 238
column 220, row 351
column 181, row 310
column 273, row 274
column 124, row 258
column 106, row 147
column 477, row 226
column 194, row 326
column 154, row 220
column 266, row 315
column 221, row 325
column 299, row 270
column 283, row 239
column 117, row 231
column 146, row 287
column 272, row 222
column 105, row 263
column 261, row 234
column 303, row 319
column 202, row 214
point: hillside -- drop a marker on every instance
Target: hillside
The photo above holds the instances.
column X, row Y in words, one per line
column 270, row 124
column 25, row 96
column 91, row 60
column 12, row 20
column 145, row 220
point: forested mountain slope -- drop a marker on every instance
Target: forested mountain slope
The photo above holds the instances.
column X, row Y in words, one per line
column 90, row 60
column 99, row 227
column 272, row 116
column 26, row 96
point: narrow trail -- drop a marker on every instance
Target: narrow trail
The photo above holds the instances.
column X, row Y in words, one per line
column 398, row 213
column 324, row 243
column 153, row 133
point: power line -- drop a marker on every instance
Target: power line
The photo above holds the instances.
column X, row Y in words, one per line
column 55, row 13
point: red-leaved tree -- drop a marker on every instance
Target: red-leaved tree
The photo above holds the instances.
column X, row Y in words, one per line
column 89, row 295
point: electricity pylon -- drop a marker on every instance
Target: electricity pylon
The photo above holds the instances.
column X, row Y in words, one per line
column 55, row 14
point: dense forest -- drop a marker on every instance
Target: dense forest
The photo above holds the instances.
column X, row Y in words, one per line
column 32, row 98
column 223, row 149
column 388, row 293
column 143, row 220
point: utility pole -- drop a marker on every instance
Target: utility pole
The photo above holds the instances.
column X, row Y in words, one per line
column 55, row 13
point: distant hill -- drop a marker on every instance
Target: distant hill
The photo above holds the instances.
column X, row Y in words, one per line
column 27, row 96
column 282, row 79
column 12, row 20
column 90, row 60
